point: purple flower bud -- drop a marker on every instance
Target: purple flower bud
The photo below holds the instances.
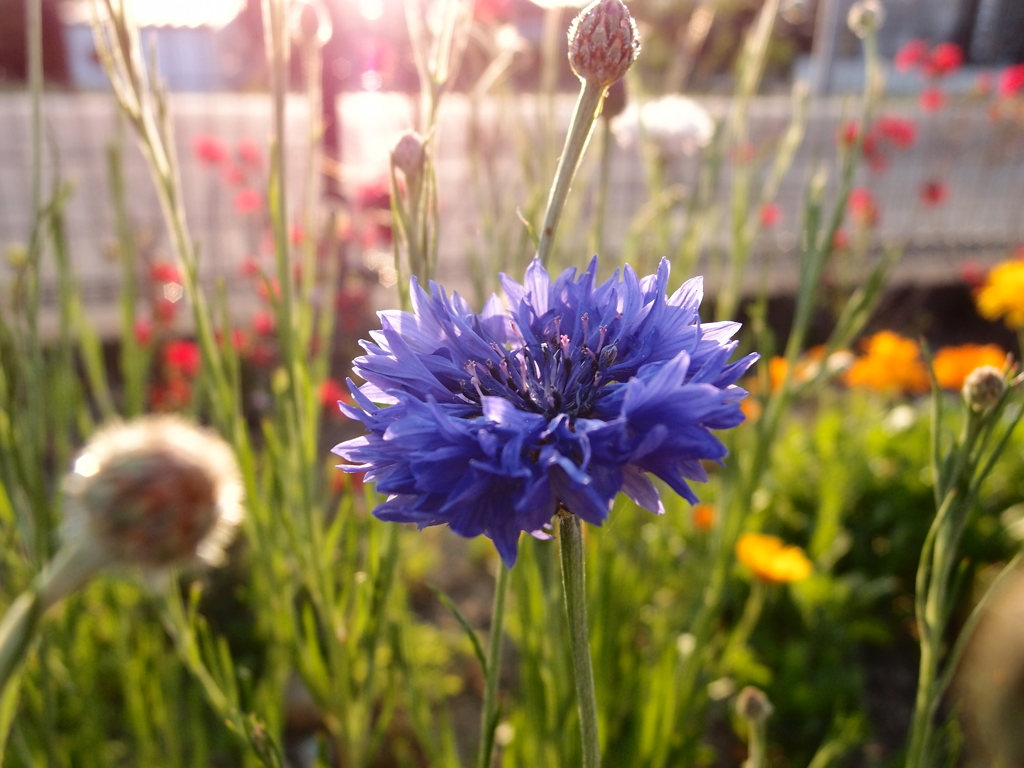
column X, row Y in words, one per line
column 603, row 42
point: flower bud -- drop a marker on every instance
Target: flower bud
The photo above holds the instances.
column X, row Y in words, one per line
column 603, row 42
column 865, row 17
column 983, row 387
column 17, row 255
column 311, row 24
column 753, row 705
column 153, row 492
column 409, row 155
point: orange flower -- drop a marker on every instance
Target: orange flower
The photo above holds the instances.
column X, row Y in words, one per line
column 953, row 364
column 772, row 560
column 892, row 363
column 750, row 408
column 1002, row 295
column 704, row 517
column 807, row 367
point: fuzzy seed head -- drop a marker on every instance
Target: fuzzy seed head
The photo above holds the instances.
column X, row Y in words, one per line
column 983, row 387
column 603, row 42
column 865, row 17
column 753, row 705
column 154, row 492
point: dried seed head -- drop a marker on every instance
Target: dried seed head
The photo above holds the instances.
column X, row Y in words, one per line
column 409, row 155
column 865, row 17
column 603, row 42
column 753, row 705
column 154, row 492
column 983, row 387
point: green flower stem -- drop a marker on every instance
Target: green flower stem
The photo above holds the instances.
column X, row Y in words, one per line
column 587, row 107
column 70, row 569
column 756, row 744
column 489, row 715
column 574, row 588
column 16, row 632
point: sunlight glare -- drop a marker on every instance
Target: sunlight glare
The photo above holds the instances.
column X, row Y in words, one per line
column 185, row 13
column 371, row 10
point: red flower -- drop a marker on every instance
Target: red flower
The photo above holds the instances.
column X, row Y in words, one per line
column 249, row 267
column 234, row 175
column 973, row 274
column 143, row 332
column 249, row 153
column 248, row 201
column 331, row 392
column 182, row 357
column 210, row 149
column 374, row 195
column 910, row 55
column 862, row 207
column 263, row 323
column 165, row 310
column 164, row 272
column 238, row 339
column 264, row 288
column 297, row 235
column 944, row 58
column 931, row 99
column 933, row 193
column 261, row 356
column 1011, row 80
column 849, row 135
column 173, row 395
column 840, row 240
column 770, row 214
column 899, row 131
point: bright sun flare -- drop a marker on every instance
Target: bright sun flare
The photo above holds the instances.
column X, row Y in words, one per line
column 185, row 13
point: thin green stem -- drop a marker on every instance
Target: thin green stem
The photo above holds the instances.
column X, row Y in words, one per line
column 587, row 106
column 574, row 589
column 489, row 715
column 757, row 745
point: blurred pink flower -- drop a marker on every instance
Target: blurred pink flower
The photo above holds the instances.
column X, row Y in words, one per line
column 249, row 153
column 210, row 149
column 910, row 55
column 770, row 215
column 933, row 193
column 1011, row 80
column 248, row 201
column 944, row 58
column 931, row 99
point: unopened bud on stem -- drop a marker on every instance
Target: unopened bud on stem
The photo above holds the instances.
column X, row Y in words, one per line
column 983, row 387
column 603, row 42
column 753, row 705
column 409, row 155
column 865, row 17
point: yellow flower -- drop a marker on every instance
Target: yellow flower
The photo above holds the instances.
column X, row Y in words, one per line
column 772, row 560
column 953, row 364
column 891, row 363
column 1002, row 295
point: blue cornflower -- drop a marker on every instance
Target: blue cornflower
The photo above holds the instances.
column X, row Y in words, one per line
column 494, row 421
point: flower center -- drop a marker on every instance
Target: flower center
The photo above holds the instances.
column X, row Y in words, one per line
column 555, row 376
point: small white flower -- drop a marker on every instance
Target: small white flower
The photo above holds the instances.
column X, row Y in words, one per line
column 677, row 124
